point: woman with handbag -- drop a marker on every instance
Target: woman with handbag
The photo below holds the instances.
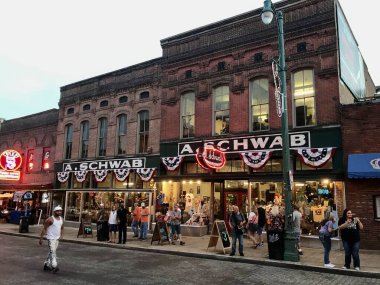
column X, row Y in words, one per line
column 236, row 223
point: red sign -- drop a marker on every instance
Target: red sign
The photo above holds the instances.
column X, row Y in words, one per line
column 10, row 160
column 209, row 157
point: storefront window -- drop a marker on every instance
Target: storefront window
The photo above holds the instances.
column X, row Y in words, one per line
column 84, row 184
column 192, row 168
column 73, row 206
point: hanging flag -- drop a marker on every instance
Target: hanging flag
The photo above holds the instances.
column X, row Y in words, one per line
column 80, row 175
column 316, row 157
column 146, row 174
column 122, row 174
column 256, row 160
column 63, row 176
column 100, row 175
column 172, row 163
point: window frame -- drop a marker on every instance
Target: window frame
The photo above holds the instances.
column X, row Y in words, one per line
column 376, row 207
column 69, row 130
column 83, row 140
column 186, row 113
column 101, row 149
column 215, row 96
column 251, row 112
column 143, row 131
column 121, row 134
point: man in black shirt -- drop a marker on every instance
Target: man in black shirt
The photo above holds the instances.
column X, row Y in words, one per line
column 262, row 221
column 236, row 223
column 122, row 217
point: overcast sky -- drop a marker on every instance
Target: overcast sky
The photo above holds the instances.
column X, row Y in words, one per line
column 47, row 44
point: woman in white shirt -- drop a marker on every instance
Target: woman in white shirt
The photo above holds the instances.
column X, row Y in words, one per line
column 112, row 224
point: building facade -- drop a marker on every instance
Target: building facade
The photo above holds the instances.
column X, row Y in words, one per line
column 27, row 147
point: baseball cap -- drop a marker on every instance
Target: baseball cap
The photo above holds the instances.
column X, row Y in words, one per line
column 58, row 208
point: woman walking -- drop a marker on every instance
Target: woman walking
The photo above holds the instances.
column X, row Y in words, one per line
column 252, row 226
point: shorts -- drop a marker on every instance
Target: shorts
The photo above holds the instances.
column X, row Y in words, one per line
column 113, row 227
column 252, row 228
column 297, row 236
column 260, row 230
column 176, row 229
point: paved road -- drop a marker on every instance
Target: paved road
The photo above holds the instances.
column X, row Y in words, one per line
column 22, row 262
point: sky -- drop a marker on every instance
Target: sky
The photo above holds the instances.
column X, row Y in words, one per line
column 48, row 44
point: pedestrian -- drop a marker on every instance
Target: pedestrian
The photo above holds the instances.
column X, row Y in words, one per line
column 136, row 216
column 297, row 217
column 175, row 224
column 167, row 220
column 144, row 219
column 252, row 226
column 122, row 218
column 102, row 224
column 350, row 228
column 261, row 222
column 325, row 234
column 53, row 228
column 112, row 224
column 236, row 223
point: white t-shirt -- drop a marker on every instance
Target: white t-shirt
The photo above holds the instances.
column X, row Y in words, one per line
column 252, row 218
column 112, row 220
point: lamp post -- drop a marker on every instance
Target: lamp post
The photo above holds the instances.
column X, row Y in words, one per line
column 290, row 251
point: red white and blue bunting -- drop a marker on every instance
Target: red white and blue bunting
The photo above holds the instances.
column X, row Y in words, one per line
column 100, row 175
column 316, row 157
column 256, row 160
column 145, row 174
column 172, row 163
column 80, row 175
column 122, row 174
column 63, row 176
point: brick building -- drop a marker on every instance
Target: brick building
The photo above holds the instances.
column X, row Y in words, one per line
column 32, row 137
column 361, row 132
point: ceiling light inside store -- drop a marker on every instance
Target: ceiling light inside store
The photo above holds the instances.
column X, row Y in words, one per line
column 300, row 184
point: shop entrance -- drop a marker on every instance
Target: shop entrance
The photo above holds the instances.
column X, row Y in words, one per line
column 238, row 198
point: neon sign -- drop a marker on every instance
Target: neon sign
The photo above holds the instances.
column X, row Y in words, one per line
column 209, row 157
column 10, row 161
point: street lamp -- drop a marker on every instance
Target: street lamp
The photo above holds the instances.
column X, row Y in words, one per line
column 269, row 11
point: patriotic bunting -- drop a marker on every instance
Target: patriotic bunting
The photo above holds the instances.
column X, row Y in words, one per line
column 100, row 175
column 172, row 163
column 256, row 160
column 122, row 174
column 145, row 174
column 316, row 157
column 80, row 175
column 63, row 176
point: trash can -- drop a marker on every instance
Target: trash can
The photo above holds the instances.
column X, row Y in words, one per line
column 102, row 233
column 275, row 244
column 24, row 225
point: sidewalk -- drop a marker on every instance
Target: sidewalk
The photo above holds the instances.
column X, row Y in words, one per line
column 311, row 260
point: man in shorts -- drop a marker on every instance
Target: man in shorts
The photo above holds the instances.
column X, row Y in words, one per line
column 175, row 223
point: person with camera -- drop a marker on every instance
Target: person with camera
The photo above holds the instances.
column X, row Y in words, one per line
column 236, row 223
column 350, row 228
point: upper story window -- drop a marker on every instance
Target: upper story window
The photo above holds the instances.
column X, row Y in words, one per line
column 143, row 131
column 68, row 140
column 123, row 99
column 187, row 115
column 304, row 98
column 104, row 103
column 259, row 96
column 221, row 66
column 188, row 74
column 70, row 111
column 84, row 139
column 258, row 57
column 121, row 140
column 144, row 95
column 221, row 100
column 87, row 107
column 102, row 136
column 301, row 47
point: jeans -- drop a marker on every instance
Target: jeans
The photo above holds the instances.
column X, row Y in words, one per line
column 236, row 236
column 51, row 260
column 143, row 230
column 326, row 241
column 135, row 228
column 351, row 249
column 122, row 232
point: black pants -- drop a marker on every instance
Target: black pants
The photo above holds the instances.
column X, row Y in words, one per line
column 122, row 232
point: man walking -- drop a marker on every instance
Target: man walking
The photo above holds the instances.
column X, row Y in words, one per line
column 53, row 228
column 122, row 217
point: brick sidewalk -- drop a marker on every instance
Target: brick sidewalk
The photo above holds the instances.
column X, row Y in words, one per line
column 312, row 259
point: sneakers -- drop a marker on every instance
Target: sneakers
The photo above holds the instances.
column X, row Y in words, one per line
column 181, row 242
column 46, row 267
column 300, row 252
column 262, row 244
column 329, row 265
column 232, row 254
column 344, row 267
column 241, row 254
column 55, row 269
column 357, row 268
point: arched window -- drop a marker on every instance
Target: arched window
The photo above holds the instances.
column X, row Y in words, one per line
column 187, row 115
column 68, row 140
column 86, row 107
column 103, row 103
column 102, row 136
column 144, row 95
column 259, row 104
column 121, row 140
column 221, row 118
column 70, row 111
column 143, row 131
column 123, row 99
column 84, row 139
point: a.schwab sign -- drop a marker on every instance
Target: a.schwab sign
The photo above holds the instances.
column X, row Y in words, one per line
column 247, row 144
column 104, row 164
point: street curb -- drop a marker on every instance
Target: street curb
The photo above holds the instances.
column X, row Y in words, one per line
column 274, row 263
